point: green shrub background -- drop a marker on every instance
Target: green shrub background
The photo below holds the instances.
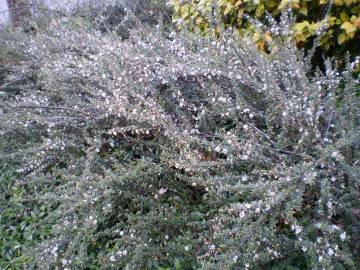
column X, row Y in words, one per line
column 341, row 35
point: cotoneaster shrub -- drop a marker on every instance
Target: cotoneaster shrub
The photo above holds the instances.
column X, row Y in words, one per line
column 176, row 151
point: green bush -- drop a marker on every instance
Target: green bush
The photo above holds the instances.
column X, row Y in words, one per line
column 21, row 226
column 342, row 23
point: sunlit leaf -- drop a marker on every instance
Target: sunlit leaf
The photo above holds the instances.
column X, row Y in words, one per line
column 341, row 38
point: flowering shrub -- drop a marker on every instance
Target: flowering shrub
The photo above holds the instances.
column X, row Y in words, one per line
column 177, row 151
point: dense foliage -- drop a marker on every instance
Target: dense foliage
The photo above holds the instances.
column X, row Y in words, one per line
column 337, row 21
column 169, row 150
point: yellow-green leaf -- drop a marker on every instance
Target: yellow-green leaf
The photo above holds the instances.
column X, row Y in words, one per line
column 295, row 5
column 344, row 17
column 303, row 10
column 341, row 38
column 228, row 9
column 299, row 27
column 338, row 2
column 260, row 10
column 283, row 4
column 238, row 3
column 348, row 27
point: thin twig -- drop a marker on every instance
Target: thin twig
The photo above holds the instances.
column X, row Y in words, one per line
column 49, row 108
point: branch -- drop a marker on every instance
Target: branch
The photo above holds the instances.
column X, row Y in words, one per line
column 49, row 108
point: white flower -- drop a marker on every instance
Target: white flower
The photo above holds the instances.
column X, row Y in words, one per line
column 186, row 248
column 257, row 210
column 235, row 258
column 330, row 252
column 343, row 236
column 329, row 204
column 212, row 247
column 296, row 228
column 112, row 258
column 245, row 157
column 222, row 99
column 304, row 249
column 121, row 233
column 162, row 191
column 166, row 237
column 242, row 214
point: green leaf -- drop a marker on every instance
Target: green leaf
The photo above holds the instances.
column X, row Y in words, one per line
column 260, row 10
column 303, row 10
column 344, row 17
column 341, row 38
